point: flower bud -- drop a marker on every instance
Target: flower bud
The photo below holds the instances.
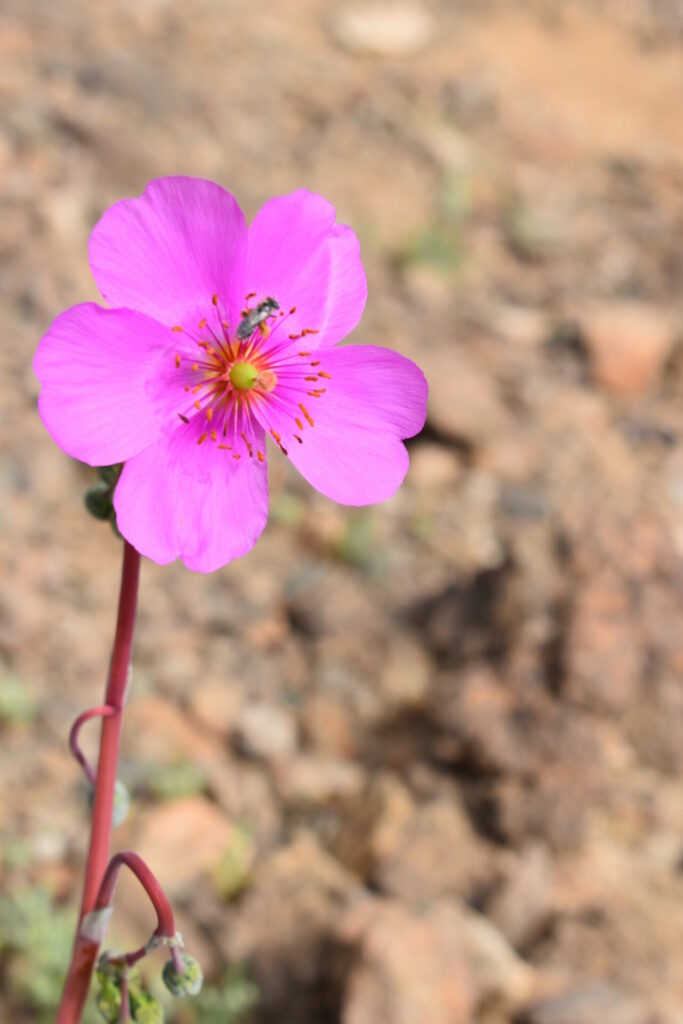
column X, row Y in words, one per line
column 144, row 1008
column 187, row 982
column 98, row 501
column 110, row 474
column 108, row 1000
column 121, row 804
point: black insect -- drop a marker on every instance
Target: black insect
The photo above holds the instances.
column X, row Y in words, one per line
column 256, row 317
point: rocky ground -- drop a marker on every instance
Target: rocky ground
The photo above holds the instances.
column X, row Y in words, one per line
column 420, row 762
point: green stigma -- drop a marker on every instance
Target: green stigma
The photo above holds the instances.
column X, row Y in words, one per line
column 243, row 376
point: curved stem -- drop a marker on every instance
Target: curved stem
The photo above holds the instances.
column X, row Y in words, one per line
column 165, row 928
column 85, row 946
column 102, row 712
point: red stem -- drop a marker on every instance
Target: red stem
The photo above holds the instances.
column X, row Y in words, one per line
column 85, row 947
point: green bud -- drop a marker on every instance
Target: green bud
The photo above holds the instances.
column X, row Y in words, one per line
column 144, row 1008
column 108, row 1000
column 121, row 804
column 110, row 474
column 187, row 982
column 98, row 501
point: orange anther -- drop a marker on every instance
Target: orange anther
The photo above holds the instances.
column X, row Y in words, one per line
column 209, row 414
column 214, row 435
column 321, row 373
column 299, row 423
column 214, row 299
column 311, row 377
column 261, row 456
column 306, row 413
column 177, row 361
column 202, row 438
column 202, row 322
column 176, row 328
column 316, row 362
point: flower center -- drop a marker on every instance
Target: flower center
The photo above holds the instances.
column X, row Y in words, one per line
column 243, row 376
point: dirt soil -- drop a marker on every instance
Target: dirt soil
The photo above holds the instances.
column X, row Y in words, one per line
column 419, row 762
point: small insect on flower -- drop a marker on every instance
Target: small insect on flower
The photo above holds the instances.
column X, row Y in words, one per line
column 195, row 367
column 257, row 317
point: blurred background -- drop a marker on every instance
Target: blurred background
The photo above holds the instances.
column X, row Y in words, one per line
column 413, row 763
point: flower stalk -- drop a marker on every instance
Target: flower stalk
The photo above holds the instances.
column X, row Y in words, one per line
column 86, row 944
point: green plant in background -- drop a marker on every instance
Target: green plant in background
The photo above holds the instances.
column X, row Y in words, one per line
column 17, row 707
column 35, row 944
column 230, row 1002
column 440, row 244
column 171, row 781
column 232, row 874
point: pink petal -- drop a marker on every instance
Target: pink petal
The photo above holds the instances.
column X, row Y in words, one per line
column 303, row 259
column 108, row 386
column 169, row 251
column 353, row 451
column 180, row 499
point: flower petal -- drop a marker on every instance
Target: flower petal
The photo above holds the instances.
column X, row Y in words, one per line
column 197, row 502
column 167, row 252
column 108, row 387
column 348, row 439
column 300, row 256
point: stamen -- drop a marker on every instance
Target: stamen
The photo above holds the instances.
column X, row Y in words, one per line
column 202, row 439
column 298, row 423
column 293, row 337
column 197, row 404
column 237, row 456
column 183, row 418
column 306, row 413
column 322, row 373
column 214, row 299
column 179, row 329
column 225, row 447
column 313, row 377
column 316, row 362
column 195, row 366
column 249, row 296
column 209, row 414
column 202, row 322
column 177, row 362
column 214, row 435
column 261, row 456
column 299, row 439
column 248, row 444
column 292, row 310
column 304, row 353
column 310, row 330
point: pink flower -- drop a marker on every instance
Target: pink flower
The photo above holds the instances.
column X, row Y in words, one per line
column 190, row 372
